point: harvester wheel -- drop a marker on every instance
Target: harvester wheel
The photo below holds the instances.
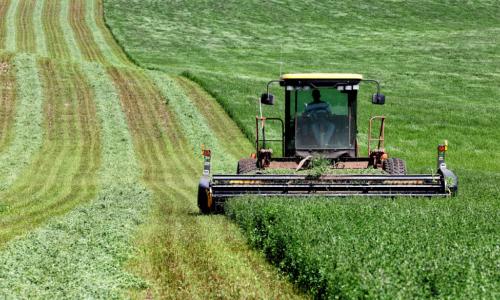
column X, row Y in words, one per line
column 204, row 196
column 395, row 166
column 246, row 165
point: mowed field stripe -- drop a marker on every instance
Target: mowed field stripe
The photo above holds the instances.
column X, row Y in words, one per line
column 7, row 99
column 41, row 45
column 108, row 46
column 10, row 27
column 230, row 136
column 25, row 37
column 4, row 7
column 195, row 126
column 63, row 174
column 83, row 254
column 27, row 127
column 57, row 46
column 83, row 35
column 184, row 254
column 67, row 30
column 107, row 35
column 153, row 129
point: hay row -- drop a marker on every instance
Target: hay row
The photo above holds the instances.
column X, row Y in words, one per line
column 83, row 35
column 56, row 45
column 4, row 7
column 25, row 37
column 7, row 99
column 62, row 174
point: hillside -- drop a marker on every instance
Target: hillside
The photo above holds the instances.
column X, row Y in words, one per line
column 438, row 63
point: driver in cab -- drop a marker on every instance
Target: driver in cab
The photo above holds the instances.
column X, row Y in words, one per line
column 319, row 111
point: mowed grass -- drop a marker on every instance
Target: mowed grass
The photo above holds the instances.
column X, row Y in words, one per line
column 63, row 173
column 439, row 67
column 182, row 254
column 7, row 99
column 91, row 151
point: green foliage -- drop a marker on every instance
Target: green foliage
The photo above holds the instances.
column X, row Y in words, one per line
column 319, row 165
column 378, row 248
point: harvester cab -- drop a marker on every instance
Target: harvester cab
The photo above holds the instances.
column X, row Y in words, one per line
column 320, row 128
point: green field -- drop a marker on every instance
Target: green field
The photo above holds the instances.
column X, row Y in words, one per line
column 105, row 105
column 98, row 171
column 439, row 67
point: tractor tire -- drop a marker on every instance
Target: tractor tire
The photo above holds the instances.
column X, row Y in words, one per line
column 204, row 197
column 395, row 166
column 246, row 165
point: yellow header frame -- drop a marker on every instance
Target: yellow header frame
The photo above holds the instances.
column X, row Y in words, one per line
column 330, row 76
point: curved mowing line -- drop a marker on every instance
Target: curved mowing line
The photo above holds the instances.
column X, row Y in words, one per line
column 119, row 164
column 25, row 38
column 81, row 254
column 83, row 35
column 183, row 256
column 27, row 122
column 56, row 44
column 63, row 175
column 106, row 49
column 38, row 21
column 150, row 124
column 7, row 99
column 69, row 35
column 10, row 24
column 4, row 7
column 146, row 123
column 104, row 33
column 232, row 139
column 195, row 126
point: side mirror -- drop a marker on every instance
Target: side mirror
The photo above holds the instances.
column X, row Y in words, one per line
column 378, row 99
column 267, row 99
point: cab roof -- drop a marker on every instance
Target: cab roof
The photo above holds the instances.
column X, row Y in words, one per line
column 321, row 76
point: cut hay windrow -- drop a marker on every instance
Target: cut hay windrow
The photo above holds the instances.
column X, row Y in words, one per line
column 63, row 173
column 82, row 254
column 109, row 48
column 27, row 127
column 178, row 249
column 68, row 33
column 217, row 119
column 84, row 37
column 150, row 123
column 4, row 7
column 195, row 126
column 25, row 37
column 56, row 43
column 86, row 154
column 7, row 99
column 41, row 44
column 10, row 27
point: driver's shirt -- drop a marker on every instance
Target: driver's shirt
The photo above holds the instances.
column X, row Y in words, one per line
column 317, row 107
